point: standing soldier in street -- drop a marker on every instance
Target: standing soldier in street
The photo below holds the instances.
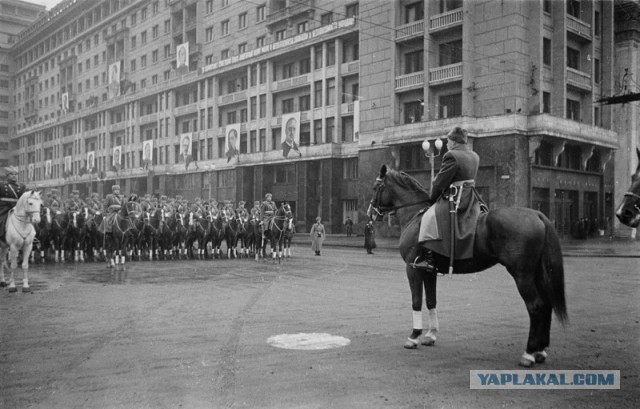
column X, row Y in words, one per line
column 369, row 237
column 349, row 226
column 10, row 192
column 317, row 236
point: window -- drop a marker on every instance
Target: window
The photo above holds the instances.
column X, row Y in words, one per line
column 154, row 56
column 331, row 91
column 304, row 103
column 242, row 48
column 331, row 54
column 450, row 53
column 352, row 10
column 287, row 106
column 231, row 117
column 154, row 79
column 260, row 41
column 317, row 56
column 596, row 116
column 208, row 59
column 597, row 23
column 225, row 28
column 143, row 37
column 224, row 54
column 154, row 31
column 263, row 106
column 546, row 6
column 287, row 71
column 225, row 3
column 317, row 131
column 305, row 66
column 133, row 65
column 253, row 104
column 143, row 61
column 350, row 169
column 331, row 125
column 263, row 140
column 302, row 27
column 242, row 21
column 134, row 19
column 573, row 110
column 413, row 112
column 546, row 102
column 143, row 14
column 596, row 70
column 260, row 13
column 450, row 106
column 326, row 18
column 546, row 51
column 347, row 129
column 167, row 51
column 280, row 35
column 573, row 8
column 414, row 62
column 414, row 12
column 285, row 174
column 209, row 33
column 317, row 94
column 573, row 58
column 209, row 6
column 167, row 26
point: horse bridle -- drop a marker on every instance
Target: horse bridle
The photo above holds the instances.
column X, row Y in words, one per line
column 28, row 214
column 636, row 203
column 380, row 210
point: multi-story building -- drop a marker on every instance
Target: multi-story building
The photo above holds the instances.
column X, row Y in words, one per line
column 626, row 75
column 366, row 83
column 15, row 16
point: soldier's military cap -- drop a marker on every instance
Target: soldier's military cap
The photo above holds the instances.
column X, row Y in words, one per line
column 114, row 187
column 11, row 169
column 163, row 197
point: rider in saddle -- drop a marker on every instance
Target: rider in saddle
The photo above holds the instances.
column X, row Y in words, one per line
column 267, row 210
column 241, row 211
column 55, row 204
column 10, row 192
column 459, row 168
column 74, row 203
column 255, row 210
column 112, row 203
column 94, row 204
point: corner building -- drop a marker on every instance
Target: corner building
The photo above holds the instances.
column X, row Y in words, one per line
column 368, row 81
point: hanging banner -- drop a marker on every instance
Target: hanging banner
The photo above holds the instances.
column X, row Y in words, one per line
column 91, row 161
column 67, row 165
column 114, row 79
column 232, row 142
column 182, row 55
column 30, row 171
column 147, row 151
column 47, row 168
column 117, row 157
column 290, row 134
column 65, row 103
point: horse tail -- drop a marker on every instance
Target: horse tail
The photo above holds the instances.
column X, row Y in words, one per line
column 551, row 282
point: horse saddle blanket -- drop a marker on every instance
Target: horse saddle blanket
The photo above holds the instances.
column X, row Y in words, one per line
column 107, row 223
column 429, row 226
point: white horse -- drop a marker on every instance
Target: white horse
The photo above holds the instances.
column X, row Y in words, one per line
column 20, row 232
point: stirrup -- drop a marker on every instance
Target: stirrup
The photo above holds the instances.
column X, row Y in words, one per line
column 424, row 264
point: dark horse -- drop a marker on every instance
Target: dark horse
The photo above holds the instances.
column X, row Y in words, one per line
column 274, row 231
column 121, row 233
column 521, row 239
column 629, row 210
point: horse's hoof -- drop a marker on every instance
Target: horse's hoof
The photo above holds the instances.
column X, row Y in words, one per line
column 3, row 284
column 411, row 343
column 13, row 289
column 527, row 360
column 26, row 289
column 540, row 356
column 429, row 340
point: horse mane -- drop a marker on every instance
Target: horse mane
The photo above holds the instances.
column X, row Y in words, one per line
column 406, row 181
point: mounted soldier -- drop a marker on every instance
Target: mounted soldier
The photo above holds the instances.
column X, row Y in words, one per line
column 10, row 192
column 241, row 211
column 55, row 204
column 267, row 211
column 74, row 203
column 454, row 181
column 255, row 210
column 112, row 205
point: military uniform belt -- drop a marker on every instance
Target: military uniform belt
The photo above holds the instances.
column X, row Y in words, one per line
column 468, row 182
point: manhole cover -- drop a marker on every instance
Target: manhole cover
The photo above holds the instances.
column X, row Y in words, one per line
column 313, row 341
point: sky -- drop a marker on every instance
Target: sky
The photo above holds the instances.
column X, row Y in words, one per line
column 48, row 3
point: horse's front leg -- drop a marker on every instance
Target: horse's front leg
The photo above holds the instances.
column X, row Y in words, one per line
column 419, row 278
column 13, row 264
column 25, row 268
column 3, row 266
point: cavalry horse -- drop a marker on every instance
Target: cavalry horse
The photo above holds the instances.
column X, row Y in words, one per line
column 19, row 235
column 57, row 232
column 273, row 232
column 231, row 230
column 216, row 233
column 43, row 234
column 628, row 211
column 75, row 233
column 521, row 239
column 117, row 242
column 287, row 237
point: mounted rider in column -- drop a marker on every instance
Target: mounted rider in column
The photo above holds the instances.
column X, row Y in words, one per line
column 10, row 192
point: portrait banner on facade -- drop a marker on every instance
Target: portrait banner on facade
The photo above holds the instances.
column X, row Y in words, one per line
column 65, row 102
column 68, row 168
column 232, row 142
column 47, row 168
column 91, row 161
column 31, row 171
column 290, row 135
column 117, row 157
column 114, row 79
column 182, row 55
column 147, row 153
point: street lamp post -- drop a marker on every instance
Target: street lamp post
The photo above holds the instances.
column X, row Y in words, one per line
column 430, row 153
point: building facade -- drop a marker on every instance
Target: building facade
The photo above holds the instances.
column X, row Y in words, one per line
column 307, row 98
column 15, row 16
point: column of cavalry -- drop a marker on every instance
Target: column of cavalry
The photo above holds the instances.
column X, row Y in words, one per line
column 120, row 228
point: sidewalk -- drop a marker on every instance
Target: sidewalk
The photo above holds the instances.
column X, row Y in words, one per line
column 593, row 247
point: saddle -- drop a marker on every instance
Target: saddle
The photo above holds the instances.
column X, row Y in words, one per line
column 107, row 223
